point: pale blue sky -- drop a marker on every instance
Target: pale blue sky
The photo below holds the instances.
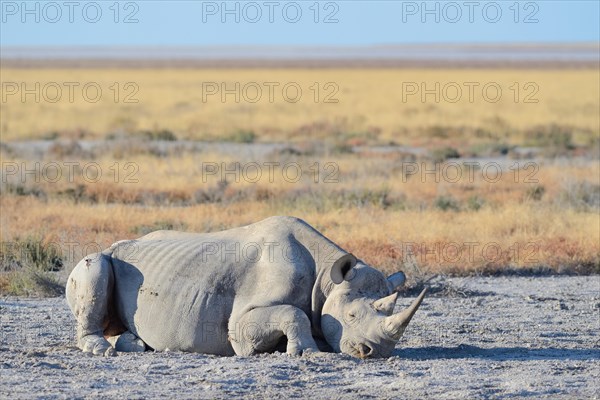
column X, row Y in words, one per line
column 186, row 23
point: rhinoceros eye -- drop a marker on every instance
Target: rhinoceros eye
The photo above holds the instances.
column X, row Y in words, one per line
column 350, row 316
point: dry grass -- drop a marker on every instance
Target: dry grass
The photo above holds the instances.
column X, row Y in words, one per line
column 372, row 210
column 527, row 235
column 543, row 219
column 373, row 105
column 29, row 266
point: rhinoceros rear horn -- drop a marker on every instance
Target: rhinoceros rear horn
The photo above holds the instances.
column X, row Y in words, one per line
column 342, row 268
column 395, row 325
column 386, row 305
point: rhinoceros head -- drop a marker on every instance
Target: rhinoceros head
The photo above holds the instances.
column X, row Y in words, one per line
column 357, row 316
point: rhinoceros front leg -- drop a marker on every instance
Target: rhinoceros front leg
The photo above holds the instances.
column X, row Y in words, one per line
column 260, row 329
column 88, row 292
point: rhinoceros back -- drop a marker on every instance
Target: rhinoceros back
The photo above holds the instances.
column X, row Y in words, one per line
column 177, row 293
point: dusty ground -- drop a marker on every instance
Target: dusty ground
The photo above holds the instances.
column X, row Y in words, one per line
column 535, row 337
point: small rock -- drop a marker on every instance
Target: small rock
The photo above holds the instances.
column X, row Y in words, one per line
column 560, row 306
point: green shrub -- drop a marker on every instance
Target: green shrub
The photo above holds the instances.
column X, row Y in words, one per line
column 28, row 268
column 52, row 135
column 165, row 134
column 554, row 137
column 446, row 203
column 442, row 154
column 364, row 197
column 242, row 136
column 30, row 252
column 490, row 149
column 77, row 194
column 475, row 203
column 437, row 132
column 19, row 189
column 536, row 192
column 342, row 148
column 159, row 134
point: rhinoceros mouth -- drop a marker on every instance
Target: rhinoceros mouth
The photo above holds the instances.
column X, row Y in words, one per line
column 357, row 349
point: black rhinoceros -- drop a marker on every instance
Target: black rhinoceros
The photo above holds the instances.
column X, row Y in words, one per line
column 275, row 284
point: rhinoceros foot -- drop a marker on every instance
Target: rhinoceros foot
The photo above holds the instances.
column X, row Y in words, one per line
column 127, row 342
column 96, row 345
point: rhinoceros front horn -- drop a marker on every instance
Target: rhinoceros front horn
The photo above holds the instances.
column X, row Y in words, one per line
column 395, row 325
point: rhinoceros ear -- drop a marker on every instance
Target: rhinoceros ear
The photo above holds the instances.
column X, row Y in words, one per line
column 396, row 280
column 342, row 269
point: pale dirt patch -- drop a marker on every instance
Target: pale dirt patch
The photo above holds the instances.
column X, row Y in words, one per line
column 510, row 337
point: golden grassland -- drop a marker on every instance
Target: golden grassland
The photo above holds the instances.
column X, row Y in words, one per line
column 525, row 236
column 369, row 207
column 372, row 104
column 545, row 218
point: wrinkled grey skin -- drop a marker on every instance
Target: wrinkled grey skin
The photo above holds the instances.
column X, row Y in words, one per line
column 275, row 284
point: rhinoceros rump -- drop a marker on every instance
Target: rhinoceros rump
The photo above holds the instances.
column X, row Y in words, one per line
column 275, row 284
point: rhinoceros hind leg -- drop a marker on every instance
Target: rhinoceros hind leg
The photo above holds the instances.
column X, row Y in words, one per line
column 88, row 292
column 127, row 342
